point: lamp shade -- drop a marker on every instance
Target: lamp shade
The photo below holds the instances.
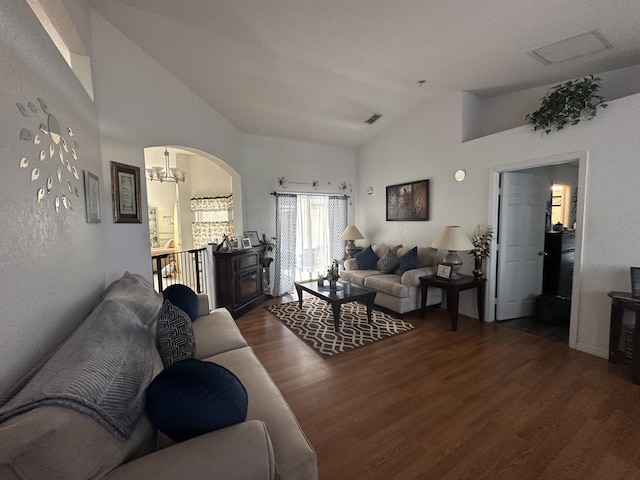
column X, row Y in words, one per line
column 452, row 238
column 351, row 233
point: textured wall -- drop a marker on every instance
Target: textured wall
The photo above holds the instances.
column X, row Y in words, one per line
column 52, row 261
column 427, row 145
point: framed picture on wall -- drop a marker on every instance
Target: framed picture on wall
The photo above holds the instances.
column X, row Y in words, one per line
column 92, row 197
column 408, row 201
column 125, row 193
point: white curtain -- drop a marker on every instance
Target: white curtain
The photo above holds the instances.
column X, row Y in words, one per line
column 285, row 258
column 308, row 237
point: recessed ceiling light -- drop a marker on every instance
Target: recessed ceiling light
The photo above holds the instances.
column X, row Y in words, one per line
column 574, row 47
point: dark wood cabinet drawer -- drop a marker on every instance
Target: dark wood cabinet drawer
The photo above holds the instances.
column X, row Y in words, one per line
column 250, row 260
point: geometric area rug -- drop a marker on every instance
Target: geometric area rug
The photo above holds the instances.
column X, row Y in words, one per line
column 313, row 324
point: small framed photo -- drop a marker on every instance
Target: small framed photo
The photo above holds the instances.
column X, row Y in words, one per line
column 253, row 237
column 444, row 271
column 246, row 242
column 92, row 197
column 125, row 193
column 233, row 243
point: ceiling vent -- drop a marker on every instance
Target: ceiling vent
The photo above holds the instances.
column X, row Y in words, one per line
column 574, row 47
column 373, row 118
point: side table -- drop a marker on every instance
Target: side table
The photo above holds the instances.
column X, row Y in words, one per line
column 621, row 301
column 453, row 287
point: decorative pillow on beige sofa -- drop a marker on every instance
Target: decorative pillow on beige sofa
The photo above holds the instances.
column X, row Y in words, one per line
column 389, row 262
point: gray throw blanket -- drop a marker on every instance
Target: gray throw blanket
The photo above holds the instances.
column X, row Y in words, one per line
column 103, row 368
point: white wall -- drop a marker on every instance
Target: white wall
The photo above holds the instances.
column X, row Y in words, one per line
column 140, row 105
column 424, row 146
column 485, row 116
column 269, row 158
column 52, row 262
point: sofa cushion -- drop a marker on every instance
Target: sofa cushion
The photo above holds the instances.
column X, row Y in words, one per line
column 381, row 249
column 409, row 260
column 183, row 297
column 389, row 284
column 295, row 457
column 366, row 259
column 357, row 277
column 174, row 334
column 216, row 333
column 389, row 262
column 58, row 443
column 192, row 397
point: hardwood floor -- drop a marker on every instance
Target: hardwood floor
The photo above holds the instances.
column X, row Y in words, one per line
column 485, row 402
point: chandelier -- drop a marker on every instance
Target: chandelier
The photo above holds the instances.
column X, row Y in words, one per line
column 166, row 174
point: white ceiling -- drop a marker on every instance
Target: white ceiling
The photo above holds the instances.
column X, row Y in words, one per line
column 314, row 70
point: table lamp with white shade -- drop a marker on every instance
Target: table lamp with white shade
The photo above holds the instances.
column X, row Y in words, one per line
column 452, row 239
column 350, row 234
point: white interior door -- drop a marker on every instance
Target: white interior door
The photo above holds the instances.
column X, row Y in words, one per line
column 521, row 237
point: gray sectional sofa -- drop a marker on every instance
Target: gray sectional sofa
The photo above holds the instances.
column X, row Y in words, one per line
column 70, row 435
column 397, row 291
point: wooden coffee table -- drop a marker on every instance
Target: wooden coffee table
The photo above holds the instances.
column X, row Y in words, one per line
column 336, row 298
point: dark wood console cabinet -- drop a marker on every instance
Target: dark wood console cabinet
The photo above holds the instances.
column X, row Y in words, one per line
column 558, row 262
column 238, row 279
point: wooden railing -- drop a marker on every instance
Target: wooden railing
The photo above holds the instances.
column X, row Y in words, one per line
column 190, row 268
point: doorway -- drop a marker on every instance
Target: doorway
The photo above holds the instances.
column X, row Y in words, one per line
column 569, row 170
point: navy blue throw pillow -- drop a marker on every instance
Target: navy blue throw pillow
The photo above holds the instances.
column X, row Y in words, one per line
column 184, row 298
column 366, row 259
column 409, row 260
column 192, row 397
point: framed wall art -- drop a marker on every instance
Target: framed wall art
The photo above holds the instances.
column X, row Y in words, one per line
column 92, row 197
column 125, row 193
column 408, row 201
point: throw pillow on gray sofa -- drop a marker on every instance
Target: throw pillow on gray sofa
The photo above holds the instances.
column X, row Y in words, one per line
column 366, row 259
column 174, row 334
column 193, row 397
column 389, row 262
column 409, row 260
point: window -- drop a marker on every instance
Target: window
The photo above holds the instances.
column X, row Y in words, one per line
column 308, row 229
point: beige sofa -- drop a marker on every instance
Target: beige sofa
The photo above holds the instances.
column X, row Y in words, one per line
column 56, row 442
column 397, row 291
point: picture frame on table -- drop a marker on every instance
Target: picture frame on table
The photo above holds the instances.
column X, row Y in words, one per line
column 92, row 197
column 444, row 272
column 125, row 193
column 246, row 242
column 408, row 201
column 253, row 237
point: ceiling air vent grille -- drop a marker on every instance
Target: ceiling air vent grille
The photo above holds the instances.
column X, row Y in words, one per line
column 574, row 47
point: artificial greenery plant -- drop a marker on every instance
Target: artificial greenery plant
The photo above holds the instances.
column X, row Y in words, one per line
column 566, row 104
column 267, row 243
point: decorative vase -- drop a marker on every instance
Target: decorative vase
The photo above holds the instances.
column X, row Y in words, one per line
column 333, row 285
column 477, row 267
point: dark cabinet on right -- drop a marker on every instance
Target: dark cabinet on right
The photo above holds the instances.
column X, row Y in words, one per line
column 558, row 262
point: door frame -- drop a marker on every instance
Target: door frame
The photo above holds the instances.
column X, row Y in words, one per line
column 582, row 157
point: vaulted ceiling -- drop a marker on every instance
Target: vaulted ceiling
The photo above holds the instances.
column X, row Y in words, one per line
column 315, row 70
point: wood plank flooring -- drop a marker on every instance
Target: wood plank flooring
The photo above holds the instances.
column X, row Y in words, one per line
column 485, row 402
